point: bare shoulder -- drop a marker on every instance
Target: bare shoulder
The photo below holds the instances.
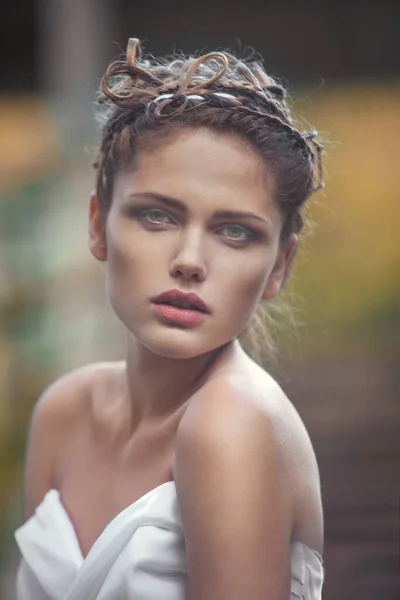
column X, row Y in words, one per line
column 241, row 456
column 252, row 401
column 71, row 394
column 54, row 417
column 245, row 422
column 236, row 412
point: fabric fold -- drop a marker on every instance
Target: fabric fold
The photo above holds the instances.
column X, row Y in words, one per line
column 139, row 555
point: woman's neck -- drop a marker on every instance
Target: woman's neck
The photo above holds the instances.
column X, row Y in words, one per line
column 157, row 386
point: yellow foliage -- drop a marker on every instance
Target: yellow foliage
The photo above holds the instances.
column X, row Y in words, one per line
column 29, row 144
column 351, row 267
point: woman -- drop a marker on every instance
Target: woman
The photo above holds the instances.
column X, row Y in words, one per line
column 182, row 472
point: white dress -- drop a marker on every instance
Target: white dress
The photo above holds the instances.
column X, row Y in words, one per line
column 140, row 555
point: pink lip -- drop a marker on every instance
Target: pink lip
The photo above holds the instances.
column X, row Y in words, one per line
column 178, row 296
column 179, row 316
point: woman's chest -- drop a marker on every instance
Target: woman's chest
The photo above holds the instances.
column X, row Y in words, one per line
column 140, row 554
column 96, row 485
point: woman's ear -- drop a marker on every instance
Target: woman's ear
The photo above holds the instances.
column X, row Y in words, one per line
column 97, row 230
column 281, row 268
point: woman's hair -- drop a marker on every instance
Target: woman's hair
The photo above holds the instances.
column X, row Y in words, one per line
column 148, row 101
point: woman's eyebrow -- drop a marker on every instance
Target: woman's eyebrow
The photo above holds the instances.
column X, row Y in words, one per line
column 167, row 200
column 235, row 214
column 179, row 205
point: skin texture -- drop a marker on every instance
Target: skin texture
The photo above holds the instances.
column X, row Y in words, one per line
column 188, row 249
column 245, row 472
column 234, row 484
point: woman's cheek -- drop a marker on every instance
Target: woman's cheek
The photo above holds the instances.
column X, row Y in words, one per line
column 251, row 279
column 122, row 272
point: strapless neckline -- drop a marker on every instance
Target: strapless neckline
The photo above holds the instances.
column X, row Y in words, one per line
column 140, row 553
column 55, row 495
column 121, row 515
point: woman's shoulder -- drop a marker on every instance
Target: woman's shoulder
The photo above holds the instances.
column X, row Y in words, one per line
column 55, row 420
column 240, row 386
column 238, row 395
column 243, row 421
column 72, row 392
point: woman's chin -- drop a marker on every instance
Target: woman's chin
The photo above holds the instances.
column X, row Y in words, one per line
column 177, row 344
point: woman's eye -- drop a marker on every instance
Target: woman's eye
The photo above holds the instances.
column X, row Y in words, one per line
column 237, row 233
column 155, row 216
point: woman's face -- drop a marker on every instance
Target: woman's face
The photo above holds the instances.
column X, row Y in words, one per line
column 196, row 215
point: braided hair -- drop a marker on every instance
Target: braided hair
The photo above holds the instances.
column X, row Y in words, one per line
column 145, row 101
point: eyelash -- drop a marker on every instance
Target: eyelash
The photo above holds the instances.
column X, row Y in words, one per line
column 147, row 211
column 143, row 214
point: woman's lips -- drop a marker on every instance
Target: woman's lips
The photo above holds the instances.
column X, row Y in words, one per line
column 179, row 316
column 179, row 297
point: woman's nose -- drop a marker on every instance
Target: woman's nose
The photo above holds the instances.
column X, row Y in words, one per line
column 189, row 260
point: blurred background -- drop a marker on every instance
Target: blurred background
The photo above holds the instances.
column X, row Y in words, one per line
column 341, row 63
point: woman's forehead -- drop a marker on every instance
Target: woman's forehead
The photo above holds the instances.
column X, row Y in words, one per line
column 200, row 165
